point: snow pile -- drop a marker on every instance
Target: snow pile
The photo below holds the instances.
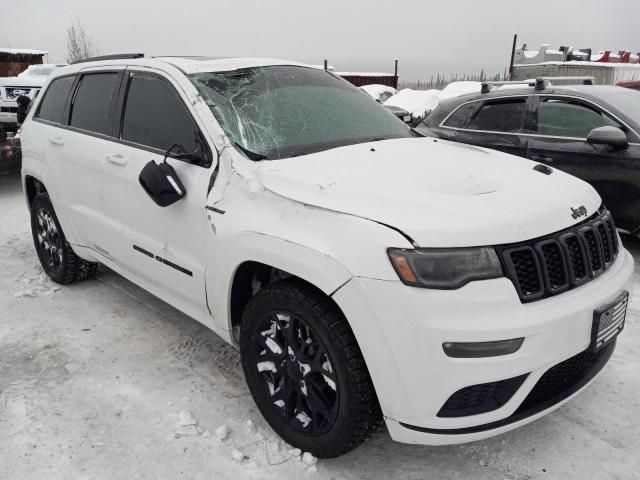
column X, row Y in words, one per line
column 379, row 93
column 309, row 459
column 222, row 432
column 419, row 103
column 36, row 286
column 188, row 425
column 238, row 456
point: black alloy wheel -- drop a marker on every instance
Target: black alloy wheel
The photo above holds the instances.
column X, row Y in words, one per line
column 305, row 370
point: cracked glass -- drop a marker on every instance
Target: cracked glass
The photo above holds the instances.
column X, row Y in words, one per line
column 285, row 111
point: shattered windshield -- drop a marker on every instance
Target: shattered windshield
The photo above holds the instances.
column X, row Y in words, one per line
column 285, row 111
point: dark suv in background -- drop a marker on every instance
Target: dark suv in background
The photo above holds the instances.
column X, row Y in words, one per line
column 590, row 131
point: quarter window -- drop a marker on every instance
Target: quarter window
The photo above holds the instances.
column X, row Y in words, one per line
column 155, row 116
column 500, row 116
column 569, row 118
column 93, row 102
column 55, row 98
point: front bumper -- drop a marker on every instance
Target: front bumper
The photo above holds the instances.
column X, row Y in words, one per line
column 401, row 330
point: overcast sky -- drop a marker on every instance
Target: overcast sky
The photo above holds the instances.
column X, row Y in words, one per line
column 427, row 37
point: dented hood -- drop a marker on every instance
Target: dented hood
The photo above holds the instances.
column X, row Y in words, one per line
column 441, row 194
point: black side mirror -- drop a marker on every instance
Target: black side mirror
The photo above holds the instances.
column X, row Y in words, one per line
column 611, row 136
column 162, row 184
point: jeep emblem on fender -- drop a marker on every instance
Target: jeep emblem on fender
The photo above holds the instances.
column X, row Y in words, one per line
column 578, row 212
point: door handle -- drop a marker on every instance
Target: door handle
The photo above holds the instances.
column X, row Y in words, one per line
column 56, row 141
column 116, row 159
column 541, row 158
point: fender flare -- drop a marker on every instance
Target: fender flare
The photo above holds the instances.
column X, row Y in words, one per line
column 41, row 173
column 321, row 270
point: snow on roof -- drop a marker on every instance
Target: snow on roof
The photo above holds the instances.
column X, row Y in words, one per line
column 578, row 63
column 196, row 65
column 455, row 89
column 417, row 102
column 40, row 71
column 22, row 51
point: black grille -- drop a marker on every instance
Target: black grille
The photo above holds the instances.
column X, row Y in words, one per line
column 564, row 260
column 481, row 398
column 575, row 254
column 527, row 270
column 565, row 378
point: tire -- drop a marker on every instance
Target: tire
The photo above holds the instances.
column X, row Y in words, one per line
column 57, row 258
column 305, row 370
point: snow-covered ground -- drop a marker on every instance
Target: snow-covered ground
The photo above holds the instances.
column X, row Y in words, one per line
column 101, row 380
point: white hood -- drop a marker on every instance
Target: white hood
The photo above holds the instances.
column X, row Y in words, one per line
column 441, row 194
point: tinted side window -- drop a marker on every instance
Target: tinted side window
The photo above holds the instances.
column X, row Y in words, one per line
column 500, row 116
column 568, row 118
column 156, row 116
column 52, row 105
column 460, row 116
column 93, row 102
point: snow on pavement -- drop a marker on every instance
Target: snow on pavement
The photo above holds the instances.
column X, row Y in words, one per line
column 100, row 379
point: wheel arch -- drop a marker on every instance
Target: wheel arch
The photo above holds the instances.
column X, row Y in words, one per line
column 32, row 187
column 258, row 260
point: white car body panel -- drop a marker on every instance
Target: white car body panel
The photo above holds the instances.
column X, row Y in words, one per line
column 328, row 218
column 437, row 180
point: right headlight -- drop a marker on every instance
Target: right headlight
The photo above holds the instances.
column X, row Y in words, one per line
column 445, row 269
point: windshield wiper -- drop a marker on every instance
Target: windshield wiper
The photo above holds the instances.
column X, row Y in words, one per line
column 256, row 157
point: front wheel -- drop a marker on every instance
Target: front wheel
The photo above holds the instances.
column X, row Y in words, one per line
column 57, row 258
column 305, row 370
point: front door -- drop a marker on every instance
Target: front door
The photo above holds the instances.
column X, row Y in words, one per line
column 163, row 245
column 497, row 123
column 562, row 125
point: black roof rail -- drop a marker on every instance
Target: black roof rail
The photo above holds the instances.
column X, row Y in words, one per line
column 117, row 56
column 539, row 83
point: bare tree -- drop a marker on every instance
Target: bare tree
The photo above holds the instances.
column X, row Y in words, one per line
column 79, row 44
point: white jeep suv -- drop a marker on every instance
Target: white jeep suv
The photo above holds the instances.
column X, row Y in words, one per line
column 365, row 273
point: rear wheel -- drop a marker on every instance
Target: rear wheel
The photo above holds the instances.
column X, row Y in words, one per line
column 305, row 370
column 57, row 258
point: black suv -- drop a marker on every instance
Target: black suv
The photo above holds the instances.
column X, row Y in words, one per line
column 590, row 131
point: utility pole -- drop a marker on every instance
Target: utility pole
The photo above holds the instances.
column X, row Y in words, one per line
column 395, row 75
column 513, row 54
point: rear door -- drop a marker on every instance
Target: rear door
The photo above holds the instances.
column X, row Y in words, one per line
column 163, row 245
column 497, row 123
column 561, row 125
column 74, row 123
column 82, row 146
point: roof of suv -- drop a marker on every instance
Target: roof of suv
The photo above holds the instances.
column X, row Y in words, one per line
column 587, row 91
column 188, row 65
